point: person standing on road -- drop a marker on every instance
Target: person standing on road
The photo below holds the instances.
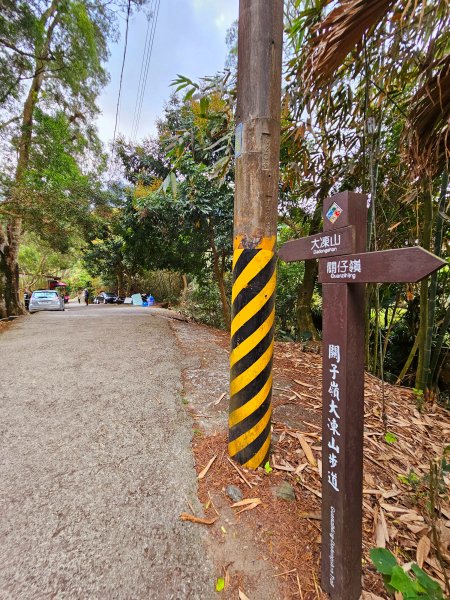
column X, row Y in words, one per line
column 86, row 296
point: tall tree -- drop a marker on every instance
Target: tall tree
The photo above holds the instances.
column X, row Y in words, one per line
column 51, row 56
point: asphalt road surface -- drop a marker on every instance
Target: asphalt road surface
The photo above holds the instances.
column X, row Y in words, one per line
column 95, row 460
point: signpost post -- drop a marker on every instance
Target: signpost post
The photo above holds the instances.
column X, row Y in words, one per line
column 344, row 268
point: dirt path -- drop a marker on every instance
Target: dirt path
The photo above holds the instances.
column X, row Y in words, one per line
column 96, row 462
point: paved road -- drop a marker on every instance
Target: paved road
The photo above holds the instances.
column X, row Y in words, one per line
column 95, row 460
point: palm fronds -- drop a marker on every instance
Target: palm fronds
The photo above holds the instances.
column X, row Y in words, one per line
column 428, row 127
column 340, row 31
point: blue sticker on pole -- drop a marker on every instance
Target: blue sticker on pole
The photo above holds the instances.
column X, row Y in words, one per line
column 238, row 140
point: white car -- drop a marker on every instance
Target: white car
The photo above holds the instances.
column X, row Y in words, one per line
column 45, row 300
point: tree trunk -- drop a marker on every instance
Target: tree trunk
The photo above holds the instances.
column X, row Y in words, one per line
column 9, row 272
column 9, row 246
column 434, row 364
column 306, row 327
column 425, row 325
column 306, row 288
column 408, row 362
column 120, row 282
column 218, row 275
column 433, row 357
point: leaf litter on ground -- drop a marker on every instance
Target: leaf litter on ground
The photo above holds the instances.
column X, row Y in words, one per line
column 395, row 475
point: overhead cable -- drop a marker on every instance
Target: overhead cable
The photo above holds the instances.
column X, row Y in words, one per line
column 144, row 72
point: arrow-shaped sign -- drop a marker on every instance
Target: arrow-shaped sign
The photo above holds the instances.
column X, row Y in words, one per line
column 336, row 243
column 403, row 265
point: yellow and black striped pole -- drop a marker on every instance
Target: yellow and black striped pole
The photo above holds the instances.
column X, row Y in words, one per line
column 260, row 41
column 252, row 329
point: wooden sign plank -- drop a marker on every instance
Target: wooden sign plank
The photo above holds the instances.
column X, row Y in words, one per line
column 336, row 243
column 342, row 439
column 401, row 265
column 343, row 411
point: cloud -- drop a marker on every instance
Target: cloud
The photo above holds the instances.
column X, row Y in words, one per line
column 217, row 12
column 220, row 21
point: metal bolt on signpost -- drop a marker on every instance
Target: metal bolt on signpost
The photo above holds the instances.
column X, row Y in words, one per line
column 344, row 268
column 257, row 150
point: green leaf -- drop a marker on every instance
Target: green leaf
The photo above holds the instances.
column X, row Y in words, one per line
column 268, row 468
column 402, row 583
column 204, row 105
column 383, row 560
column 390, row 438
column 220, row 584
column 429, row 585
column 189, row 94
column 173, row 184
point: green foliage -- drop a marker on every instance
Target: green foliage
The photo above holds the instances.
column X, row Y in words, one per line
column 362, row 129
column 179, row 214
column 51, row 72
column 54, row 197
column 201, row 301
column 419, row 398
column 411, row 480
column 289, row 277
column 413, row 585
column 79, row 278
column 165, row 286
column 220, row 584
column 390, row 438
column 433, row 483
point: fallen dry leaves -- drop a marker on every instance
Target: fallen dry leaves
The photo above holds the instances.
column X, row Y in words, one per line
column 395, row 478
column 208, row 466
column 193, row 519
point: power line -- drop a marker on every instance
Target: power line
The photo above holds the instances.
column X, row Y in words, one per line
column 144, row 73
column 121, row 75
column 141, row 91
column 144, row 53
column 144, row 85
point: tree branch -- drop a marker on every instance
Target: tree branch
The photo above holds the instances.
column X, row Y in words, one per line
column 14, row 48
column 8, row 213
column 8, row 44
column 8, row 122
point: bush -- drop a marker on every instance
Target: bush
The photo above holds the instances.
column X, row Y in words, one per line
column 165, row 286
column 289, row 277
column 201, row 301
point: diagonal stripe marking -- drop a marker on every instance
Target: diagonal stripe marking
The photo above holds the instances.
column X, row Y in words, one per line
column 236, row 255
column 253, row 340
column 242, row 412
column 252, row 372
column 257, row 264
column 248, row 437
column 254, row 305
column 256, row 460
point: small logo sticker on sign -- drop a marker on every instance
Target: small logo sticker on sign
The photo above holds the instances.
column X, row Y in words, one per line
column 334, row 212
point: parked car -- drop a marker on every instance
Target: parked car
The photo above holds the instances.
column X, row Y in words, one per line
column 105, row 298
column 45, row 300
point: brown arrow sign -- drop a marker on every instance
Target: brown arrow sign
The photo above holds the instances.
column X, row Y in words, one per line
column 337, row 243
column 403, row 265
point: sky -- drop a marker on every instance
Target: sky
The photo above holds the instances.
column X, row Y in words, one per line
column 189, row 40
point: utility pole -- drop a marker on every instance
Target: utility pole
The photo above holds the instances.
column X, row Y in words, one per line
column 260, row 41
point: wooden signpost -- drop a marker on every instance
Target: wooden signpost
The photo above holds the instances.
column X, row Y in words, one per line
column 344, row 268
